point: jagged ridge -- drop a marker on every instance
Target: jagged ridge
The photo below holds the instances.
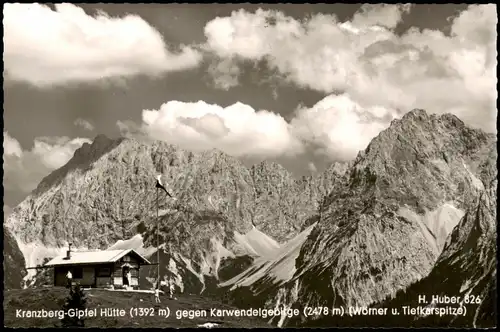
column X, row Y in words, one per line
column 107, row 188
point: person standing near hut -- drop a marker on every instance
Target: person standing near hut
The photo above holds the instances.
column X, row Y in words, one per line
column 157, row 295
column 69, row 278
column 129, row 278
column 171, row 288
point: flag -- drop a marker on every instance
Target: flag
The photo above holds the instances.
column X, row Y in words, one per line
column 160, row 185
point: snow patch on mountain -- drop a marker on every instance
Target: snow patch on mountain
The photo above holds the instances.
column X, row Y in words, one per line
column 256, row 243
column 189, row 266
column 280, row 268
column 35, row 253
column 435, row 225
column 209, row 259
column 177, row 278
column 478, row 184
column 136, row 242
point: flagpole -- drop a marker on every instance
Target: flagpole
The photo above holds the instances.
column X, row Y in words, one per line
column 159, row 185
column 157, row 238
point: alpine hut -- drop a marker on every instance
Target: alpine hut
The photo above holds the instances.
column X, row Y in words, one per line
column 99, row 269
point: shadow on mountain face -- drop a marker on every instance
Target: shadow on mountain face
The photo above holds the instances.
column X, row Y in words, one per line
column 13, row 262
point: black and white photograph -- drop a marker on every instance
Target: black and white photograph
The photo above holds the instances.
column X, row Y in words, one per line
column 242, row 165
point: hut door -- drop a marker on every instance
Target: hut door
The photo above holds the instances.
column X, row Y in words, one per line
column 125, row 270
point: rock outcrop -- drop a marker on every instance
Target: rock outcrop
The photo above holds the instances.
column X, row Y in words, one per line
column 13, row 262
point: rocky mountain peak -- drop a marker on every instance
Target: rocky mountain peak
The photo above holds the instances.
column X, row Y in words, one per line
column 420, row 135
column 100, row 139
column 417, row 114
column 82, row 159
column 420, row 143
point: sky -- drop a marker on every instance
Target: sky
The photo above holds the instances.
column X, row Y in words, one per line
column 301, row 84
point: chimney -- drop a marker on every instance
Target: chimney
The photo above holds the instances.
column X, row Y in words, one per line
column 68, row 253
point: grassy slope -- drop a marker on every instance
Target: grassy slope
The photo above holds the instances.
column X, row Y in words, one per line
column 53, row 299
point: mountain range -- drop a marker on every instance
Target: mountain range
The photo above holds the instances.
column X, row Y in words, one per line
column 415, row 209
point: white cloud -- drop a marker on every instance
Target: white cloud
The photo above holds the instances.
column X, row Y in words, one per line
column 380, row 15
column 46, row 47
column 364, row 58
column 83, row 124
column 23, row 170
column 338, row 127
column 11, row 146
column 211, row 125
column 238, row 130
column 54, row 152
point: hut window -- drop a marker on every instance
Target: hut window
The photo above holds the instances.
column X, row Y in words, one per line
column 126, row 259
column 104, row 272
column 77, row 272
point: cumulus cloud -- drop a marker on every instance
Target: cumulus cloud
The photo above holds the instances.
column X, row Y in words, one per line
column 237, row 130
column 338, row 128
column 46, row 47
column 54, row 152
column 83, row 124
column 383, row 15
column 11, row 146
column 366, row 60
column 335, row 128
column 211, row 125
column 23, row 170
